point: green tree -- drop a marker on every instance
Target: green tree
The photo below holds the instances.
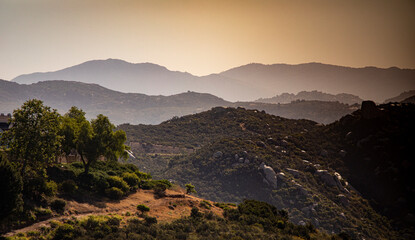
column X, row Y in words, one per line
column 33, row 140
column 70, row 129
column 190, row 188
column 97, row 139
column 10, row 188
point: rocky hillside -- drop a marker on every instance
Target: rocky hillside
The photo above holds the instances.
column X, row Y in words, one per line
column 313, row 96
column 140, row 108
column 319, row 174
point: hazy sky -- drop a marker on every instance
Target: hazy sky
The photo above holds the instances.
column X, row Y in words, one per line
column 203, row 37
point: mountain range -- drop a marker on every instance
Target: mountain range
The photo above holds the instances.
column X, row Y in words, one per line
column 244, row 83
column 137, row 108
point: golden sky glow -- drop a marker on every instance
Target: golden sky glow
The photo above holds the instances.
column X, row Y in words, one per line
column 203, row 37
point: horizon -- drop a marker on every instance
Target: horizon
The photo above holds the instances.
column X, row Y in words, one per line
column 205, row 37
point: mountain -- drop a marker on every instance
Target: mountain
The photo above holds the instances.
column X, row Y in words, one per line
column 401, row 97
column 146, row 78
column 140, row 108
column 352, row 175
column 312, row 96
column 244, row 83
column 369, row 83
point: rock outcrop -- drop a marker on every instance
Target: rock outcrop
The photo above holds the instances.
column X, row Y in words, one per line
column 270, row 175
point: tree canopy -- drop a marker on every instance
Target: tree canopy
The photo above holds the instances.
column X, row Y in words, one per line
column 33, row 140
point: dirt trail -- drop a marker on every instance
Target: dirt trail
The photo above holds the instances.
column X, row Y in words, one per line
column 164, row 209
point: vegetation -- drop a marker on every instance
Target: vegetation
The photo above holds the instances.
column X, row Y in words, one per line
column 32, row 181
column 190, row 188
column 251, row 220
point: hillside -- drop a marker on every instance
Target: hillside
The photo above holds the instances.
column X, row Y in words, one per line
column 137, row 108
column 312, row 171
column 244, row 83
column 313, row 96
column 401, row 97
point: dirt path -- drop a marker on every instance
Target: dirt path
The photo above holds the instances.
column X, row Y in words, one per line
column 164, row 209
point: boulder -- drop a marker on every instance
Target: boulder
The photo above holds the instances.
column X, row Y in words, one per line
column 246, row 161
column 326, row 177
column 270, row 174
column 236, row 157
column 342, row 153
column 218, row 154
column 293, row 172
column 241, row 160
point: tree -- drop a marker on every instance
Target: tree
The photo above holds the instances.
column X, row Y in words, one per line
column 70, row 129
column 33, row 140
column 190, row 188
column 97, row 139
column 10, row 188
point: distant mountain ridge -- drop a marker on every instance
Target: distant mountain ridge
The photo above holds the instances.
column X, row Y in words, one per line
column 401, row 97
column 138, row 108
column 244, row 83
column 313, row 96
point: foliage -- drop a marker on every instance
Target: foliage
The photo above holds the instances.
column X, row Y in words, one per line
column 131, row 179
column 143, row 208
column 68, row 187
column 33, row 140
column 114, row 193
column 197, row 226
column 58, row 205
column 10, row 188
column 190, row 188
column 118, row 182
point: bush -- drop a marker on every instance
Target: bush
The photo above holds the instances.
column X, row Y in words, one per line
column 143, row 208
column 131, row 179
column 58, row 205
column 64, row 232
column 190, row 188
column 115, row 181
column 150, row 220
column 51, row 188
column 114, row 193
column 68, row 186
column 10, row 188
column 205, row 204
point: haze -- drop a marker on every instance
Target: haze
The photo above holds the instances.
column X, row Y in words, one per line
column 202, row 37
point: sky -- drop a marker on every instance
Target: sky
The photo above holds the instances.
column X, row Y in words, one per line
column 204, row 37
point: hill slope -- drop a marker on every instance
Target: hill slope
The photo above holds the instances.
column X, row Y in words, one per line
column 244, row 83
column 313, row 171
column 313, row 96
column 140, row 108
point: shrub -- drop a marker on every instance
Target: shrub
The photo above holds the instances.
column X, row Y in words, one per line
column 205, row 204
column 51, row 188
column 10, row 187
column 58, row 205
column 190, row 188
column 131, row 179
column 195, row 213
column 143, row 208
column 68, row 186
column 114, row 193
column 115, row 181
column 43, row 212
column 150, row 220
column 64, row 232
